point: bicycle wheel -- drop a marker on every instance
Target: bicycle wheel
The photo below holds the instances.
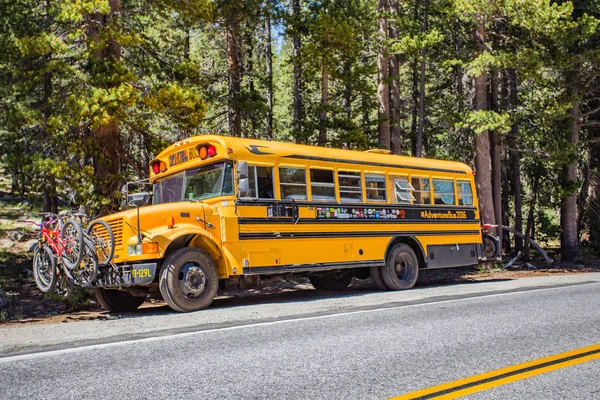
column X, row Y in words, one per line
column 491, row 246
column 73, row 246
column 87, row 272
column 104, row 241
column 44, row 268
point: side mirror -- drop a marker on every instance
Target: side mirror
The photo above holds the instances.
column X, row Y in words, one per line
column 138, row 199
column 242, row 170
column 243, row 187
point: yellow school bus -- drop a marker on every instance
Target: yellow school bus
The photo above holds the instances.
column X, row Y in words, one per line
column 225, row 208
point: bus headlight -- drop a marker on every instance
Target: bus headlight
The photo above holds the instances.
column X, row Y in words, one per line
column 142, row 248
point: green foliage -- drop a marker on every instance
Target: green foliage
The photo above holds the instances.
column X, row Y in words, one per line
column 157, row 72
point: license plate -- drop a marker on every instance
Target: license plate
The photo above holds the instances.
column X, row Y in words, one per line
column 143, row 274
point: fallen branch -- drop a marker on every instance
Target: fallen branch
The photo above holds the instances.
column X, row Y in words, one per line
column 534, row 244
column 514, row 260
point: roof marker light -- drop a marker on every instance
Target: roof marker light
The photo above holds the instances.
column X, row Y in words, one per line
column 212, row 150
column 203, row 152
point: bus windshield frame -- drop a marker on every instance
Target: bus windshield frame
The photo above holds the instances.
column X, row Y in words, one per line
column 196, row 184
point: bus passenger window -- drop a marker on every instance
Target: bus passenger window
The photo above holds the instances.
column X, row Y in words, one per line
column 260, row 182
column 375, row 187
column 293, row 183
column 421, row 192
column 443, row 191
column 350, row 187
column 465, row 194
column 403, row 189
column 322, row 185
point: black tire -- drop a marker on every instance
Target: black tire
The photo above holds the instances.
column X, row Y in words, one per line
column 104, row 241
column 188, row 280
column 74, row 250
column 333, row 281
column 491, row 247
column 316, row 282
column 44, row 268
column 401, row 268
column 117, row 300
column 88, row 268
column 377, row 278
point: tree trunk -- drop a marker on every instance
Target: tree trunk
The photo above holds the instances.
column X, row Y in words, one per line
column 594, row 194
column 529, row 230
column 483, row 165
column 365, row 102
column 298, row 82
column 421, row 130
column 107, row 164
column 516, row 162
column 234, row 117
column 505, row 106
column 496, row 164
column 269, row 73
column 569, row 240
column 415, row 108
column 322, row 141
column 186, row 44
column 383, row 91
column 348, row 89
column 395, row 100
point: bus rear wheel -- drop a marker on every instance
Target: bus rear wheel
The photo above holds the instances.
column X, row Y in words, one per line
column 401, row 268
column 333, row 281
column 188, row 280
column 117, row 300
column 377, row 278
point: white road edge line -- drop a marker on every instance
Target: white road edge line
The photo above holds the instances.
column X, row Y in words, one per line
column 4, row 360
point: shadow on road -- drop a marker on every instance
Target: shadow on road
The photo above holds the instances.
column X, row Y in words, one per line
column 301, row 291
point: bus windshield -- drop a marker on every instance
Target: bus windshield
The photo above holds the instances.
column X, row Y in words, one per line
column 196, row 184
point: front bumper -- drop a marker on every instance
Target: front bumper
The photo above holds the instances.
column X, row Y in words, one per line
column 141, row 274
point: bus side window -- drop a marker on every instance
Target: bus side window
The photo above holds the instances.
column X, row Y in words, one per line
column 350, row 187
column 322, row 185
column 375, row 185
column 264, row 182
column 403, row 188
column 465, row 193
column 293, row 183
column 422, row 190
column 443, row 192
column 260, row 181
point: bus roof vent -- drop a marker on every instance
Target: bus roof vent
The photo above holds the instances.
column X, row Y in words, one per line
column 379, row 151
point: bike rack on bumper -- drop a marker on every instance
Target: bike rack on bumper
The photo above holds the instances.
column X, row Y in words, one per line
column 115, row 275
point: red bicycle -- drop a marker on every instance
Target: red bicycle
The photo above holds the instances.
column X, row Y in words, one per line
column 60, row 243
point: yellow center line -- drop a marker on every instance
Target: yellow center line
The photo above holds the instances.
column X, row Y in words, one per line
column 478, row 383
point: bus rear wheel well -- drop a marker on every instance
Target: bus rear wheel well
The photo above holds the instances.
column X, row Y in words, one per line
column 414, row 245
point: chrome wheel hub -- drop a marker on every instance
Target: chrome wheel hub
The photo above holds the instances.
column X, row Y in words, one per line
column 192, row 280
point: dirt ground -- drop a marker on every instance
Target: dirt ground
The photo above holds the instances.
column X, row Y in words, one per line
column 26, row 304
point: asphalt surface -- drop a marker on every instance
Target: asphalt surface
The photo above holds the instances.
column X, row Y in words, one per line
column 368, row 345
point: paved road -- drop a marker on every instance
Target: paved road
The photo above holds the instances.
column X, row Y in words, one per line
column 367, row 345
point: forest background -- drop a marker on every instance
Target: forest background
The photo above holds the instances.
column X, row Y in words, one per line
column 91, row 90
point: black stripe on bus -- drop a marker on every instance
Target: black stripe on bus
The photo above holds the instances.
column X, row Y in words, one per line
column 279, row 269
column 374, row 164
column 302, row 221
column 320, row 235
column 304, row 203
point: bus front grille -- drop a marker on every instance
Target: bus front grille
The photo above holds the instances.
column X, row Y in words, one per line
column 117, row 227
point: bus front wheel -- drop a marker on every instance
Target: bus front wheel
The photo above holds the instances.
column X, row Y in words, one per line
column 188, row 280
column 401, row 268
